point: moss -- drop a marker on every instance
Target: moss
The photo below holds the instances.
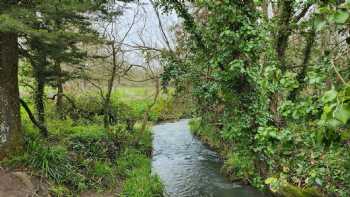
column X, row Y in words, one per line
column 289, row 190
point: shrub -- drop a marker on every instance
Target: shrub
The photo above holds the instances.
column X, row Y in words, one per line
column 94, row 143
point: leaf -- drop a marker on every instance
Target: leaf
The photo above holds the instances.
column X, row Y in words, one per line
column 329, row 96
column 343, row 113
column 333, row 124
column 345, row 136
column 318, row 181
column 341, row 16
column 319, row 22
column 270, row 180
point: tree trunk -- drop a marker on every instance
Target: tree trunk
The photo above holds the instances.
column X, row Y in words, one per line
column 11, row 137
column 106, row 107
column 283, row 31
column 310, row 40
column 39, row 97
column 281, row 44
column 31, row 116
column 146, row 114
column 60, row 93
column 265, row 9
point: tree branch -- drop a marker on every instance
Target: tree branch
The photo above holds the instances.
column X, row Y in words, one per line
column 42, row 128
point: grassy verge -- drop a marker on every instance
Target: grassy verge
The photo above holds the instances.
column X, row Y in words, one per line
column 79, row 158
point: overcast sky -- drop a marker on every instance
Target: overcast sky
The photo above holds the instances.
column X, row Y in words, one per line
column 145, row 28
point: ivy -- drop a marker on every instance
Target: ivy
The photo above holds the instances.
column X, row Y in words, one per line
column 243, row 74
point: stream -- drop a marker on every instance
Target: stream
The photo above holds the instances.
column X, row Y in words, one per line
column 188, row 168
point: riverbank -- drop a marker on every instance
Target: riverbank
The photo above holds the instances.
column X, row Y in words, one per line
column 87, row 161
column 82, row 158
column 243, row 166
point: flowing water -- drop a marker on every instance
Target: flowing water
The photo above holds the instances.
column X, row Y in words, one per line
column 187, row 168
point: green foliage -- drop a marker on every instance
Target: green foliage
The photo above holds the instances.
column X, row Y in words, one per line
column 102, row 174
column 207, row 134
column 89, row 107
column 239, row 166
column 270, row 93
column 60, row 191
column 78, row 156
column 169, row 107
column 129, row 160
column 94, row 144
column 51, row 162
column 142, row 183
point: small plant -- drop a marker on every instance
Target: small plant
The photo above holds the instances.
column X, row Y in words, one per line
column 101, row 174
column 51, row 162
column 60, row 191
column 239, row 166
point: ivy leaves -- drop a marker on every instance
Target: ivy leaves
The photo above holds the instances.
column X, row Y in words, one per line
column 340, row 16
column 330, row 13
column 336, row 111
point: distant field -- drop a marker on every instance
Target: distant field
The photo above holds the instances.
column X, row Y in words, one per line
column 134, row 93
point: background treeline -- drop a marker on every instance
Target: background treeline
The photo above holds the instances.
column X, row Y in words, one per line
column 270, row 84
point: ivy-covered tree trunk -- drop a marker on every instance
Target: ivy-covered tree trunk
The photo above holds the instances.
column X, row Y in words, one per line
column 283, row 31
column 310, row 41
column 10, row 122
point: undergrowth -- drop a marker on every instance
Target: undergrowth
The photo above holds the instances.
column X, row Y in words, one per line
column 80, row 155
column 291, row 159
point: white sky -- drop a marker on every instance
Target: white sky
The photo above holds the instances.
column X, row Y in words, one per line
column 146, row 28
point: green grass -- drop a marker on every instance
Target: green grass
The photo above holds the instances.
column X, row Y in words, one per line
column 77, row 158
column 81, row 155
column 126, row 94
column 135, row 167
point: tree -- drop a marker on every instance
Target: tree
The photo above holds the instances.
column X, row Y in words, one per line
column 32, row 20
column 10, row 122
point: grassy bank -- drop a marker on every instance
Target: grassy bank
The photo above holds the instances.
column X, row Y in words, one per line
column 80, row 156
